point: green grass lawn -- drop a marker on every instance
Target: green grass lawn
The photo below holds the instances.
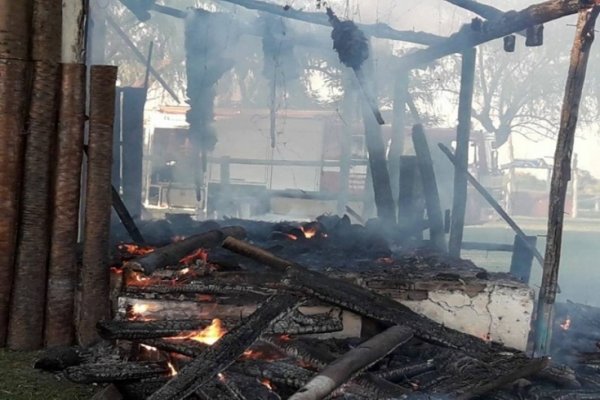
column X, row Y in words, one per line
column 20, row 381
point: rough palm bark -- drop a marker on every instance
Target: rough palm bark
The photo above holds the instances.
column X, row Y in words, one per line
column 93, row 297
column 25, row 331
column 62, row 268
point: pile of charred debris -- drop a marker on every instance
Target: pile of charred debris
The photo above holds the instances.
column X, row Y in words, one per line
column 249, row 338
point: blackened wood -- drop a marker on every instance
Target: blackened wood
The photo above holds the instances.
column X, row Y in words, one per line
column 224, row 352
column 492, row 202
column 59, row 358
column 380, row 177
column 430, row 189
column 561, row 174
column 115, row 372
column 403, row 373
column 510, row 22
column 522, row 258
column 363, row 301
column 14, row 100
column 461, row 155
column 561, row 375
column 186, row 347
column 278, row 372
column 410, row 214
column 125, row 217
column 134, row 330
column 110, row 392
column 242, row 387
column 62, row 265
column 26, row 325
column 132, row 122
column 352, row 363
column 172, row 253
column 296, row 323
column 93, row 297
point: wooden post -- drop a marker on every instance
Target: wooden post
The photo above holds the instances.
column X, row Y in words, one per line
column 132, row 123
column 25, row 330
column 15, row 24
column 430, row 190
column 561, row 175
column 409, row 212
column 575, row 189
column 93, row 297
column 398, row 132
column 522, row 257
column 463, row 132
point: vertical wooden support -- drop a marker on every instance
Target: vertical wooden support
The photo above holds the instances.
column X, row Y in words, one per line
column 26, row 322
column 132, row 120
column 575, row 189
column 410, row 213
column 398, row 132
column 561, row 175
column 522, row 257
column 15, row 24
column 117, row 144
column 93, row 304
column 430, row 190
column 62, row 268
column 349, row 115
column 384, row 200
column 463, row 132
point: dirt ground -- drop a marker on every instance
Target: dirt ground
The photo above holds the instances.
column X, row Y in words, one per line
column 20, row 381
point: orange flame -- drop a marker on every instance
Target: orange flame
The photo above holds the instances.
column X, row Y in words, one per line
column 209, row 335
column 566, row 325
column 267, row 383
column 309, row 232
column 172, row 369
column 149, row 348
column 199, row 254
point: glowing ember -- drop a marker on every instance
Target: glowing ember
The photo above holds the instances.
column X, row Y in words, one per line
column 290, row 236
column 199, row 254
column 149, row 348
column 139, row 308
column 184, row 271
column 172, row 369
column 309, row 231
column 116, row 270
column 267, row 383
column 566, row 325
column 135, row 250
column 221, row 377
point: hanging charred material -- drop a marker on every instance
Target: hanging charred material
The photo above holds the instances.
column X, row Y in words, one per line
column 15, row 23
column 352, row 48
column 509, row 42
column 561, row 175
column 207, row 36
column 535, row 36
column 93, row 298
column 279, row 63
column 26, row 322
column 62, row 269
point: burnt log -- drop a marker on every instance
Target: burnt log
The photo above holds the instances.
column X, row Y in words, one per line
column 277, row 372
column 186, row 347
column 352, row 363
column 174, row 252
column 365, row 302
column 295, row 323
column 115, row 372
column 224, row 352
column 404, row 373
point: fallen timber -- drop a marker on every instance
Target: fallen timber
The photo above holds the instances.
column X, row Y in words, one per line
column 365, row 302
column 293, row 324
column 352, row 363
column 115, row 372
column 174, row 252
column 225, row 351
column 277, row 372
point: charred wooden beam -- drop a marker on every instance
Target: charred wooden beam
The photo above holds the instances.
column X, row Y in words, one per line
column 363, row 301
column 352, row 363
column 403, row 373
column 185, row 347
column 115, row 372
column 510, row 22
column 125, row 217
column 172, row 253
column 206, row 286
column 224, row 352
column 278, row 372
column 379, row 30
column 561, row 175
column 430, row 189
